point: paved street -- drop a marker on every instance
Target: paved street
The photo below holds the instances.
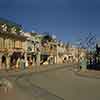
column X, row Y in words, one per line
column 57, row 84
column 66, row 84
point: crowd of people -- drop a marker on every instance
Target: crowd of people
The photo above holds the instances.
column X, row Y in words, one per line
column 16, row 60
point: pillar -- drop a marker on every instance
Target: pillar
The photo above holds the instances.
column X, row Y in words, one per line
column 7, row 62
column 38, row 59
column 33, row 61
column 0, row 61
column 54, row 59
column 26, row 62
column 57, row 56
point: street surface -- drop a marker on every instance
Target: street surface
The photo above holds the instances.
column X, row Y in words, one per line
column 57, row 84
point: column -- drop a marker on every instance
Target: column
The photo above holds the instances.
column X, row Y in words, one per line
column 7, row 62
column 57, row 57
column 38, row 61
column 26, row 61
column 33, row 60
column 0, row 61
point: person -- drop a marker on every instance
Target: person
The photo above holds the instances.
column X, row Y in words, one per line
column 30, row 63
column 13, row 63
column 3, row 61
column 80, row 63
column 18, row 64
column 64, row 60
column 83, row 63
column 22, row 61
column 8, row 62
column 26, row 63
column 13, row 60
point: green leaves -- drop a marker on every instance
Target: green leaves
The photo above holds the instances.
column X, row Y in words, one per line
column 10, row 25
column 47, row 38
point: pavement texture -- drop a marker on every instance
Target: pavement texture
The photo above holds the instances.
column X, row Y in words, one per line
column 52, row 83
column 65, row 84
column 22, row 88
column 43, row 68
column 35, row 69
column 88, row 73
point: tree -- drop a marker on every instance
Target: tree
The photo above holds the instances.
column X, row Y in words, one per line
column 10, row 25
column 47, row 37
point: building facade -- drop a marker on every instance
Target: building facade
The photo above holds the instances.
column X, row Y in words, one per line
column 9, row 42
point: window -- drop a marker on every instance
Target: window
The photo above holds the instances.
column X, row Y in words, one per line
column 1, row 42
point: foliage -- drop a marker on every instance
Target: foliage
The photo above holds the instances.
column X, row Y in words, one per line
column 87, row 41
column 47, row 37
column 10, row 25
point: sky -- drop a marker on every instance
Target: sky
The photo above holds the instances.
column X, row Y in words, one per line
column 67, row 19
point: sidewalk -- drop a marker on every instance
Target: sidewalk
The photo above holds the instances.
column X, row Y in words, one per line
column 35, row 69
column 88, row 73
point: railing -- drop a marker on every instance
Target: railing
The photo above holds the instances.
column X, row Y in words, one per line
column 48, row 51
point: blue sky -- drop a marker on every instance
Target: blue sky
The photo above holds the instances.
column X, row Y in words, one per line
column 65, row 18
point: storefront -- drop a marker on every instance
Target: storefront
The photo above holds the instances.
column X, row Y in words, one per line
column 10, row 43
column 49, row 53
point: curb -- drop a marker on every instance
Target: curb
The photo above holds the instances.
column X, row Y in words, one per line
column 26, row 71
column 78, row 73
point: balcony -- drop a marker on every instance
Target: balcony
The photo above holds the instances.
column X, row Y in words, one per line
column 13, row 36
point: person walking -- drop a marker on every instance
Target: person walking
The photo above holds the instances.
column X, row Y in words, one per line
column 3, row 62
column 22, row 61
column 18, row 63
column 30, row 64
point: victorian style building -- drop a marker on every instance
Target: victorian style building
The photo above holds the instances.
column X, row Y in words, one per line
column 11, row 40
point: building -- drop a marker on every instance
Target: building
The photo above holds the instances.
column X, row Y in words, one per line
column 10, row 41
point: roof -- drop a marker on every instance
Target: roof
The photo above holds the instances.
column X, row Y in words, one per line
column 10, row 23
